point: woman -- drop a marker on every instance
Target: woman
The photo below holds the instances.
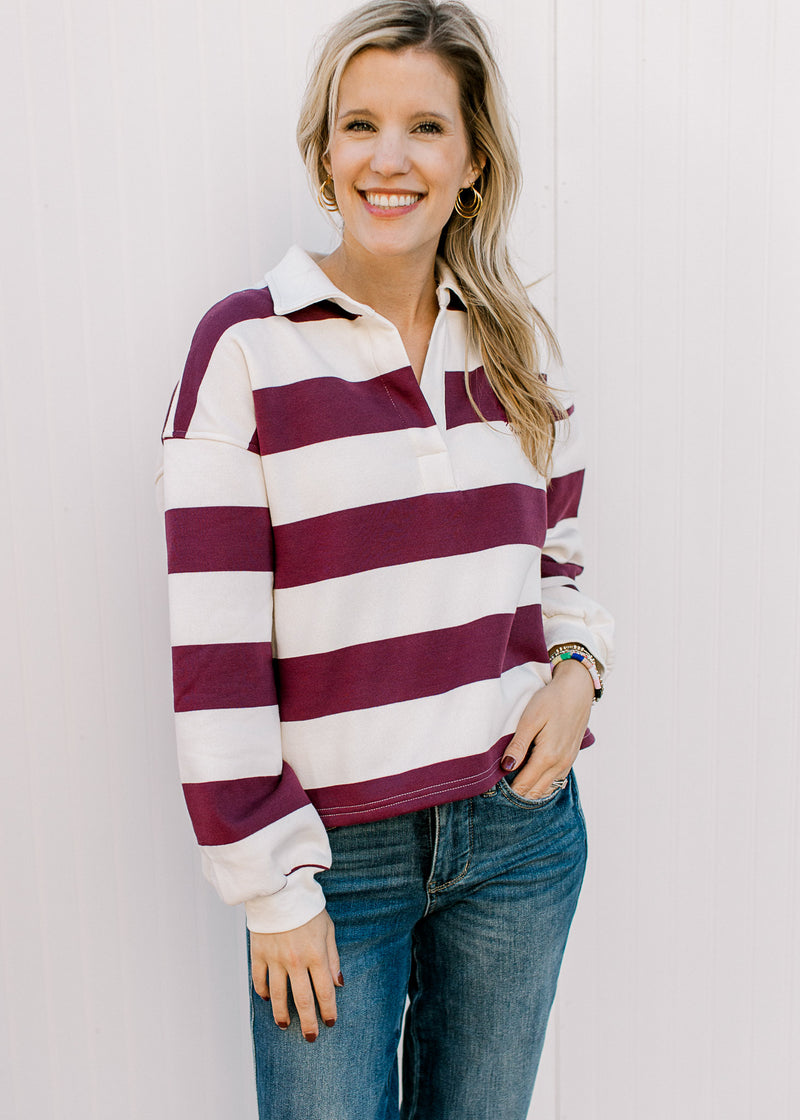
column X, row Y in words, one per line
column 383, row 668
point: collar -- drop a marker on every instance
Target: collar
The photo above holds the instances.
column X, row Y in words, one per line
column 298, row 282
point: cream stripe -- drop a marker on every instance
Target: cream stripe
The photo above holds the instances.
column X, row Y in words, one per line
column 207, row 472
column 258, row 864
column 357, row 471
column 487, row 454
column 280, row 352
column 376, row 742
column 226, row 743
column 388, row 602
column 207, row 607
column 563, row 542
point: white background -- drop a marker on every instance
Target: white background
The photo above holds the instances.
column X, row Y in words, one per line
column 148, row 169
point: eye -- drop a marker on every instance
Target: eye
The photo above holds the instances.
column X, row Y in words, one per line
column 431, row 128
column 358, row 126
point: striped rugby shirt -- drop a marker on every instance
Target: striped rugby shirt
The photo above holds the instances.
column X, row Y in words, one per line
column 364, row 579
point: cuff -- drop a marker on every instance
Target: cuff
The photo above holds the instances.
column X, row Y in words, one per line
column 298, row 901
column 566, row 631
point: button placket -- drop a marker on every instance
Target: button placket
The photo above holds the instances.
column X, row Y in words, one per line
column 428, row 442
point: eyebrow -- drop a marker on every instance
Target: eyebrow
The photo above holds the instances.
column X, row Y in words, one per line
column 425, row 114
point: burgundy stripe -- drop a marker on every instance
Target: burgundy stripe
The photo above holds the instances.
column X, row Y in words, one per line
column 551, row 567
column 563, row 497
column 324, row 408
column 229, row 675
column 224, row 812
column 317, row 312
column 391, row 670
column 380, row 798
column 256, row 303
column 219, row 539
column 407, row 530
column 458, row 408
column 526, row 640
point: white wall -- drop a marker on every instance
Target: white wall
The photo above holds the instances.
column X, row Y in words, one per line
column 149, row 169
column 677, row 293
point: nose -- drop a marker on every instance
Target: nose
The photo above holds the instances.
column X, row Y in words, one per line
column 390, row 154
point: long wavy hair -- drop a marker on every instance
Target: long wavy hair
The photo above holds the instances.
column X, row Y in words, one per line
column 502, row 323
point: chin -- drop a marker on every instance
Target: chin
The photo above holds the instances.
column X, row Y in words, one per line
column 395, row 247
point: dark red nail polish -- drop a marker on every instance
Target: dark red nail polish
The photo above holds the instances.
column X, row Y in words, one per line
column 284, row 1026
column 340, row 980
column 508, row 763
column 309, row 1037
column 329, row 1022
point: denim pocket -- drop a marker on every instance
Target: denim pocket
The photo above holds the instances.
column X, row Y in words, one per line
column 509, row 794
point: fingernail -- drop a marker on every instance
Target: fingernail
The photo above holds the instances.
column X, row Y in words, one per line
column 340, row 980
column 265, row 999
column 309, row 1037
column 508, row 763
column 284, row 1026
column 329, row 1022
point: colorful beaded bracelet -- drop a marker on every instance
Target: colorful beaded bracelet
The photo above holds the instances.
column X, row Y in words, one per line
column 579, row 653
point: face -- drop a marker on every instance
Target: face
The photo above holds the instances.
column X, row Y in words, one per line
column 398, row 153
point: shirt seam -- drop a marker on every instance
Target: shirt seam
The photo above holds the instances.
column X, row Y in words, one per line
column 211, row 437
column 366, row 806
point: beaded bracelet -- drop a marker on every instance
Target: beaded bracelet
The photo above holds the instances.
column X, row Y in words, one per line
column 575, row 652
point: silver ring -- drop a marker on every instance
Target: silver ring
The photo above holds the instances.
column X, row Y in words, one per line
column 560, row 783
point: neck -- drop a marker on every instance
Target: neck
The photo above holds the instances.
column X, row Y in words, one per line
column 403, row 290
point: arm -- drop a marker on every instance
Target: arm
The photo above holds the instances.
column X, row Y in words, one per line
column 261, row 840
column 568, row 614
column 556, row 718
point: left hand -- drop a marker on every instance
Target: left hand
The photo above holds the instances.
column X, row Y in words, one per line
column 551, row 728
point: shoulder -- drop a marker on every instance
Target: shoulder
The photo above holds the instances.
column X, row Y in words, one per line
column 239, row 307
column 215, row 369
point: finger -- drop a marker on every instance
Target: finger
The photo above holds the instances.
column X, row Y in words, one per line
column 528, row 728
column 536, row 786
column 303, row 997
column 545, row 766
column 334, row 963
column 280, row 1007
column 516, row 751
column 325, row 992
column 258, row 968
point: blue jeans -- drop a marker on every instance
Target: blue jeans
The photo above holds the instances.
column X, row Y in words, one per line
column 465, row 908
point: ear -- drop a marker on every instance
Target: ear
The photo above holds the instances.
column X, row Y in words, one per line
column 478, row 165
column 326, row 163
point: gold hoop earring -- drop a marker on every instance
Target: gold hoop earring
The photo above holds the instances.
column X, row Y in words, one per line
column 472, row 208
column 327, row 201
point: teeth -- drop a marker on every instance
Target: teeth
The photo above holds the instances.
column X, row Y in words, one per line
column 390, row 201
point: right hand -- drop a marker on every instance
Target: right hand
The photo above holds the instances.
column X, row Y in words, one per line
column 307, row 958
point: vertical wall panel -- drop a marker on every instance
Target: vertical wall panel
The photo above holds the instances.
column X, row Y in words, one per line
column 673, row 249
column 152, row 168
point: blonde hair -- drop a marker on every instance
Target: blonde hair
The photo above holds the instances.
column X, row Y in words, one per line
column 502, row 322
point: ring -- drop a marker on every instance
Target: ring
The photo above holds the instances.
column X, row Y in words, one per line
column 560, row 783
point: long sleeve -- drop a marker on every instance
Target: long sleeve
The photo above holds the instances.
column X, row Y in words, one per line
column 261, row 839
column 568, row 614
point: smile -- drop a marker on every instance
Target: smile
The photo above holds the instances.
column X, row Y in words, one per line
column 390, row 201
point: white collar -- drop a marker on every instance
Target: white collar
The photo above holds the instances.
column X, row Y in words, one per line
column 298, row 281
